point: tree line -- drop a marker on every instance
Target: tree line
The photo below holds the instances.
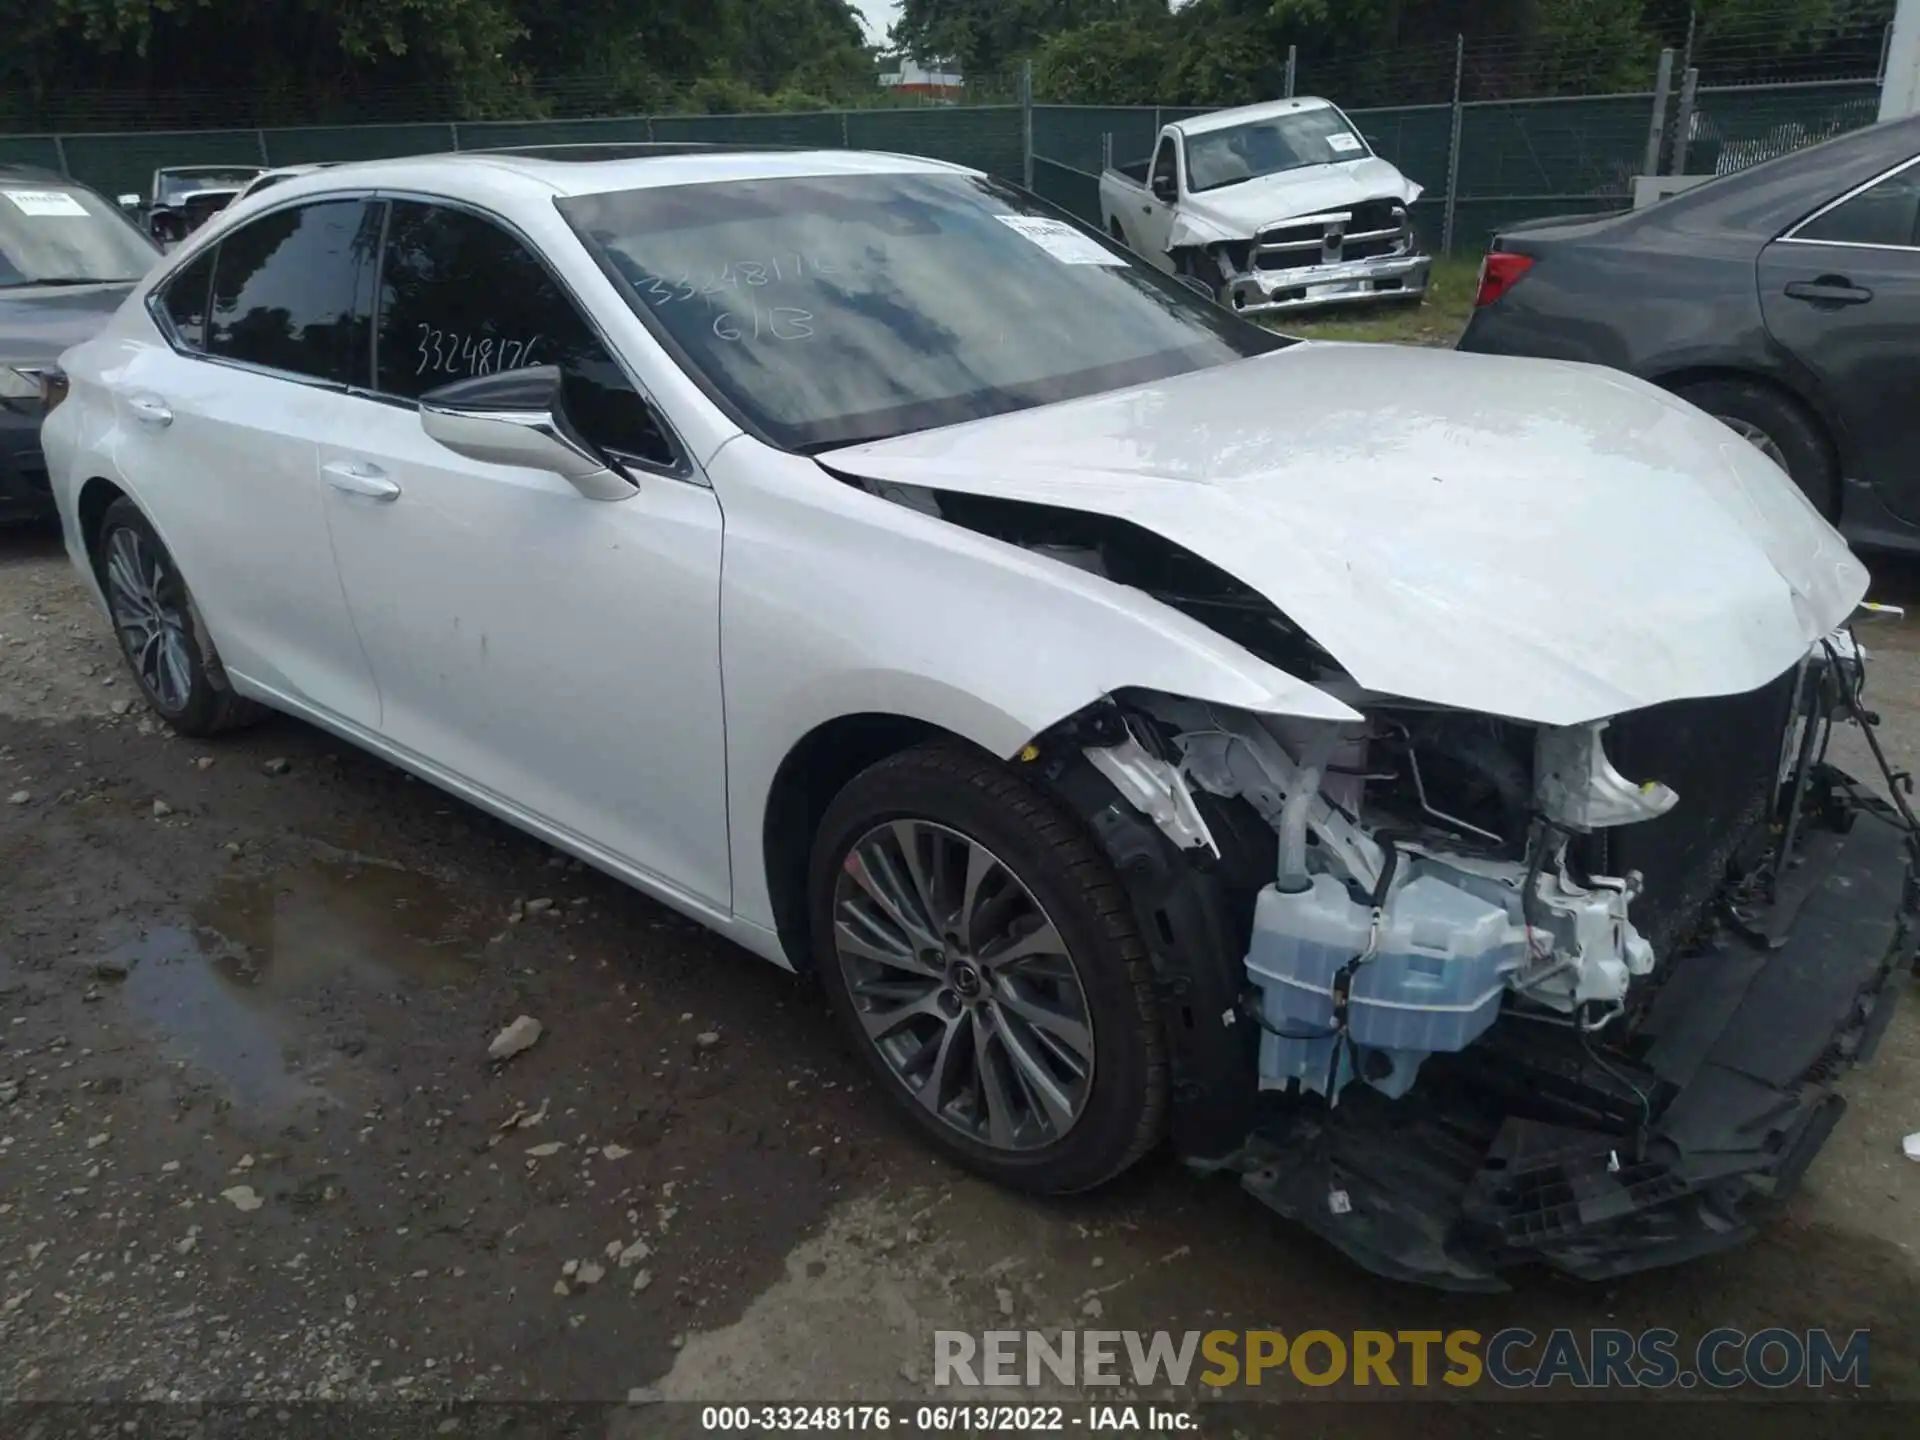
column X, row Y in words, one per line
column 1368, row 52
column 290, row 61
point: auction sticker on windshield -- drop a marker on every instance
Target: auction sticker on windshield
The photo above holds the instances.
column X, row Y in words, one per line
column 1343, row 143
column 45, row 202
column 1060, row 240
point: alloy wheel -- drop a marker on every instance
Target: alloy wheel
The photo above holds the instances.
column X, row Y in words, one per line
column 149, row 610
column 963, row 984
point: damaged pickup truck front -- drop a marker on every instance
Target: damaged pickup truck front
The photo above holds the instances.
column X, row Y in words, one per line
column 1271, row 208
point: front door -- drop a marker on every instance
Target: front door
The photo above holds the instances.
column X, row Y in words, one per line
column 557, row 651
column 1154, row 225
column 1842, row 293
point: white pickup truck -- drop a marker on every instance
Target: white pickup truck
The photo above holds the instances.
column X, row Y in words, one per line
column 1281, row 206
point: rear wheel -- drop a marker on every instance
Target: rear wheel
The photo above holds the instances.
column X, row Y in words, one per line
column 983, row 958
column 1779, row 428
column 159, row 630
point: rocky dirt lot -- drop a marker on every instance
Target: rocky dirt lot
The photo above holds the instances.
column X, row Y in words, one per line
column 252, row 1146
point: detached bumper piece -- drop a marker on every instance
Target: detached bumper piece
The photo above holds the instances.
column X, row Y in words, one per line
column 1603, row 1155
column 1271, row 292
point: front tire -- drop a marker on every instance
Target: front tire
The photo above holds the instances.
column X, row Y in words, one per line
column 983, row 958
column 159, row 631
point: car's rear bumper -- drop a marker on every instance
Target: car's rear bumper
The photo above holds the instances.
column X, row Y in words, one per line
column 1351, row 282
column 1524, row 1149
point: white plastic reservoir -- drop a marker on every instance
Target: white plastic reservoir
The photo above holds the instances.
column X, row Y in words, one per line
column 1433, row 983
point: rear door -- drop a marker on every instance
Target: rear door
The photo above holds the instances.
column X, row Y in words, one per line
column 1841, row 291
column 218, row 433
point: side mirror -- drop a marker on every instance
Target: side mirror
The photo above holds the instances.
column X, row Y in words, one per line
column 1165, row 189
column 515, row 418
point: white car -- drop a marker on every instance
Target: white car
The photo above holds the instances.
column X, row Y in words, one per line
column 1141, row 723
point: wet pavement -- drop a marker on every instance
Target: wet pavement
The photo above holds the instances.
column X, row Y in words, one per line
column 251, row 1144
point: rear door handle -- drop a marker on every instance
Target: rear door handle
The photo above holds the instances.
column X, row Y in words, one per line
column 150, row 410
column 1828, row 290
column 357, row 477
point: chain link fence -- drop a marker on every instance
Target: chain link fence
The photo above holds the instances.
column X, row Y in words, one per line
column 1485, row 155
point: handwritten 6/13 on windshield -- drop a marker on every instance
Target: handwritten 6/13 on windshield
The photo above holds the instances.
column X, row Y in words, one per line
column 782, row 322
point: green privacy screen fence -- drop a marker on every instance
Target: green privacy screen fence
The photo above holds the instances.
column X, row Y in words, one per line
column 1490, row 163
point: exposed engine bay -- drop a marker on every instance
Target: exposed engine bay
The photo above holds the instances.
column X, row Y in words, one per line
column 1458, row 991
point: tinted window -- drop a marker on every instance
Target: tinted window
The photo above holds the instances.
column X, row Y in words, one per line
column 1888, row 214
column 830, row 309
column 284, row 290
column 1163, row 172
column 461, row 297
column 184, row 301
column 61, row 233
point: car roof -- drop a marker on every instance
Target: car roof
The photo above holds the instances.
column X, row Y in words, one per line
column 550, row 172
column 1764, row 199
column 1227, row 119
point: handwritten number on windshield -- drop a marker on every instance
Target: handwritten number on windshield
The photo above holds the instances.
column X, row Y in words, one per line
column 782, row 322
column 736, row 274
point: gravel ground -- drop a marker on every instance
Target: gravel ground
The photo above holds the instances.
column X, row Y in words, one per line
column 252, row 1147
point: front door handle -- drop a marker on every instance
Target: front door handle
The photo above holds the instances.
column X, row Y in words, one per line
column 150, row 410
column 1829, row 290
column 1146, row 209
column 357, row 477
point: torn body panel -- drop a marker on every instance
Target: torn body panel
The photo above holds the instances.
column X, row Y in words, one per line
column 1458, row 1049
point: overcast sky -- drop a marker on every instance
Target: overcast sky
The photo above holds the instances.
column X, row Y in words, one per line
column 880, row 15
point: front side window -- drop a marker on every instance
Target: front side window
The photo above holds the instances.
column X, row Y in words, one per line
column 1292, row 141
column 831, row 309
column 460, row 297
column 55, row 234
column 1887, row 213
column 1164, row 177
column 285, row 291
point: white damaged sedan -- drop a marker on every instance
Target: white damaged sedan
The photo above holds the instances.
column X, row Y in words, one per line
column 1398, row 777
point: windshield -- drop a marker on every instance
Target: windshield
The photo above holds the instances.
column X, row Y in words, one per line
column 832, row 309
column 1267, row 147
column 51, row 234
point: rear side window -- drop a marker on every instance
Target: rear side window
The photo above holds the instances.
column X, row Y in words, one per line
column 1886, row 214
column 286, row 291
column 459, row 297
column 183, row 300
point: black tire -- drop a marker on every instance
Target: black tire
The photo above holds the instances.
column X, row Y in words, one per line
column 1118, row 233
column 1796, row 434
column 206, row 705
column 1049, row 853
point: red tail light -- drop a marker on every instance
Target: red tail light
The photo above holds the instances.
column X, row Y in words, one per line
column 1499, row 273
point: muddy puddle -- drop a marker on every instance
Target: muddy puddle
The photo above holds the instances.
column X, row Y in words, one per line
column 224, row 985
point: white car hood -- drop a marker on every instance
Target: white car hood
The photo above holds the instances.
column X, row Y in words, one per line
column 1542, row 540
column 1237, row 211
